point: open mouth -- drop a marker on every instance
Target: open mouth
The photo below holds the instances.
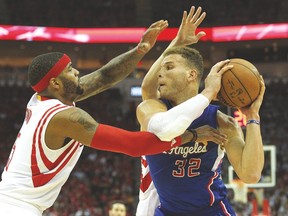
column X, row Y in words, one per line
column 160, row 86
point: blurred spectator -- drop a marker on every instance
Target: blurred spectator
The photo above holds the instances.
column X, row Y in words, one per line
column 117, row 208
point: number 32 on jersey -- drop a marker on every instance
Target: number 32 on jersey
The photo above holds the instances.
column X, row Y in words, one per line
column 187, row 167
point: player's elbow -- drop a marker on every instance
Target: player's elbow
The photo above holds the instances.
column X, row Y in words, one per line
column 164, row 136
column 167, row 131
column 251, row 178
column 167, row 135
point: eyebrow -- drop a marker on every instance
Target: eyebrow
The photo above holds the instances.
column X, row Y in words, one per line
column 69, row 65
column 167, row 62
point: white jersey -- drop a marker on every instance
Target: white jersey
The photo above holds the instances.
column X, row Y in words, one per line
column 148, row 197
column 34, row 174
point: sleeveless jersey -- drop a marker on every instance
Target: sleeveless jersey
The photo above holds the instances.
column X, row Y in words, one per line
column 187, row 178
column 34, row 174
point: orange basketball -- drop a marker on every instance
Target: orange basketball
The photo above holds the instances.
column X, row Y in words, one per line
column 240, row 85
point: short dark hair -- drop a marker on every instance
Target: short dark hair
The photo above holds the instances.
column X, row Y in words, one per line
column 193, row 57
column 111, row 203
column 41, row 65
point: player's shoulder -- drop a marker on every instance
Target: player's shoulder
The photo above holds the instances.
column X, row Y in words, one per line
column 226, row 122
column 152, row 104
column 69, row 112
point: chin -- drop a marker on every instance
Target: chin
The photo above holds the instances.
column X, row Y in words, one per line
column 163, row 96
column 79, row 90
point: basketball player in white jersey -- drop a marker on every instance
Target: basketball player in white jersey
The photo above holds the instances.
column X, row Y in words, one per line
column 54, row 131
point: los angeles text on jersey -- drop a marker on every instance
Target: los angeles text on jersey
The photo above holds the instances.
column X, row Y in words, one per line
column 197, row 148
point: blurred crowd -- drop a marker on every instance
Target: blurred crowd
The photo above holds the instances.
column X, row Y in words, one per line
column 224, row 12
column 131, row 13
column 100, row 177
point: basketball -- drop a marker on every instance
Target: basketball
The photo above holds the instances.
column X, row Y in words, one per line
column 240, row 85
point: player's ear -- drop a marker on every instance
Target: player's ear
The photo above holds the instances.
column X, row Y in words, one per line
column 54, row 82
column 192, row 75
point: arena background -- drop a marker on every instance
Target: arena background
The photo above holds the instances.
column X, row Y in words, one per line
column 99, row 176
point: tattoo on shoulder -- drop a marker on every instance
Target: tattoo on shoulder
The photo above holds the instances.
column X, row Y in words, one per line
column 82, row 118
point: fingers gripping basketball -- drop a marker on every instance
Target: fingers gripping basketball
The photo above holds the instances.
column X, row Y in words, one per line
column 240, row 86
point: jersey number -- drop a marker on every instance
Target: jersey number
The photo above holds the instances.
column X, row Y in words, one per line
column 192, row 167
column 10, row 157
column 12, row 153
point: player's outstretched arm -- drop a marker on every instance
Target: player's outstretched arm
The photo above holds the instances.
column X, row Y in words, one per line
column 77, row 124
column 186, row 36
column 121, row 66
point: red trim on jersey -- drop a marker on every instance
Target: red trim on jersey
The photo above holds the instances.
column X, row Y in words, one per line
column 34, row 166
column 50, row 165
column 10, row 157
column 144, row 162
column 39, row 178
column 212, row 197
column 223, row 207
column 42, row 98
column 145, row 182
column 43, row 178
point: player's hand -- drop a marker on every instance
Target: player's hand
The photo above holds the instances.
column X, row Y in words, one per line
column 207, row 133
column 255, row 106
column 187, row 31
column 213, row 79
column 150, row 36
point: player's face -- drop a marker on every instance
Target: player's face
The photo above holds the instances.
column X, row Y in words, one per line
column 70, row 81
column 173, row 77
column 118, row 209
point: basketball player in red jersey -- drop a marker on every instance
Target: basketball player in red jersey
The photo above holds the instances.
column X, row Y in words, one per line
column 54, row 131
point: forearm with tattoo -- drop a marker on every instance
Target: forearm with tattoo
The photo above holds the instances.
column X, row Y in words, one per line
column 110, row 74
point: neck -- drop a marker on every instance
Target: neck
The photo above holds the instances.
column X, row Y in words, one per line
column 180, row 98
column 64, row 100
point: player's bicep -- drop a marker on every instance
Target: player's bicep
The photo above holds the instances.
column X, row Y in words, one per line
column 147, row 109
column 150, row 92
column 73, row 123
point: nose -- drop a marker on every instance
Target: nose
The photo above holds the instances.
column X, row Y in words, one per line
column 76, row 72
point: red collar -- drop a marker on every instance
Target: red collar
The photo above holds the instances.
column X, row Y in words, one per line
column 42, row 98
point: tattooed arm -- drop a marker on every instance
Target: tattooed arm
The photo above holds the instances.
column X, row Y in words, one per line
column 74, row 123
column 121, row 66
